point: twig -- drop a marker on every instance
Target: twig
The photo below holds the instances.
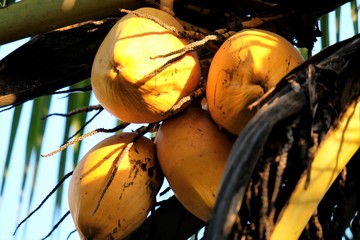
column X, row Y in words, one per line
column 86, row 123
column 198, row 92
column 99, row 130
column 8, row 108
column 44, row 200
column 191, row 46
column 165, row 191
column 157, row 71
column 76, row 111
column 172, row 29
column 178, row 55
column 117, row 162
column 261, row 99
column 71, row 233
column 56, row 225
column 73, row 90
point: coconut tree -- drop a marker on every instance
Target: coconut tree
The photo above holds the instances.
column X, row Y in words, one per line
column 273, row 160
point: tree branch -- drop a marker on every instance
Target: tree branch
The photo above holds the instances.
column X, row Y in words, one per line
column 33, row 17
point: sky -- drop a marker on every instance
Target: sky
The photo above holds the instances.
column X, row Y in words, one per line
column 41, row 223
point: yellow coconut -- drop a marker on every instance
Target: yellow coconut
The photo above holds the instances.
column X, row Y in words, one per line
column 129, row 53
column 246, row 66
column 192, row 153
column 130, row 196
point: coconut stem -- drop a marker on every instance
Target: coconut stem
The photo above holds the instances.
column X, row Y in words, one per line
column 179, row 54
column 156, row 20
column 195, row 94
column 75, row 111
column 191, row 46
column 118, row 159
column 98, row 130
column 116, row 165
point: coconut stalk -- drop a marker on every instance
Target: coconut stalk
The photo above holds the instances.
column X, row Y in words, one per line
column 32, row 17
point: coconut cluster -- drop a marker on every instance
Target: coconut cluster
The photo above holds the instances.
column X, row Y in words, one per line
column 139, row 75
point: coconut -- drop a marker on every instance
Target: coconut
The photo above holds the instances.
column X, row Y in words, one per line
column 244, row 68
column 192, row 153
column 129, row 76
column 130, row 196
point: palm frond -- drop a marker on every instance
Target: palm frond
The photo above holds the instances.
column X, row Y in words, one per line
column 354, row 15
column 32, row 17
column 73, row 123
column 34, row 141
column 6, row 2
column 324, row 26
column 13, row 132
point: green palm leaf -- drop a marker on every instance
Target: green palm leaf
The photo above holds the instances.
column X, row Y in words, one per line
column 14, row 126
column 72, row 125
column 34, row 141
column 324, row 26
column 354, row 15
